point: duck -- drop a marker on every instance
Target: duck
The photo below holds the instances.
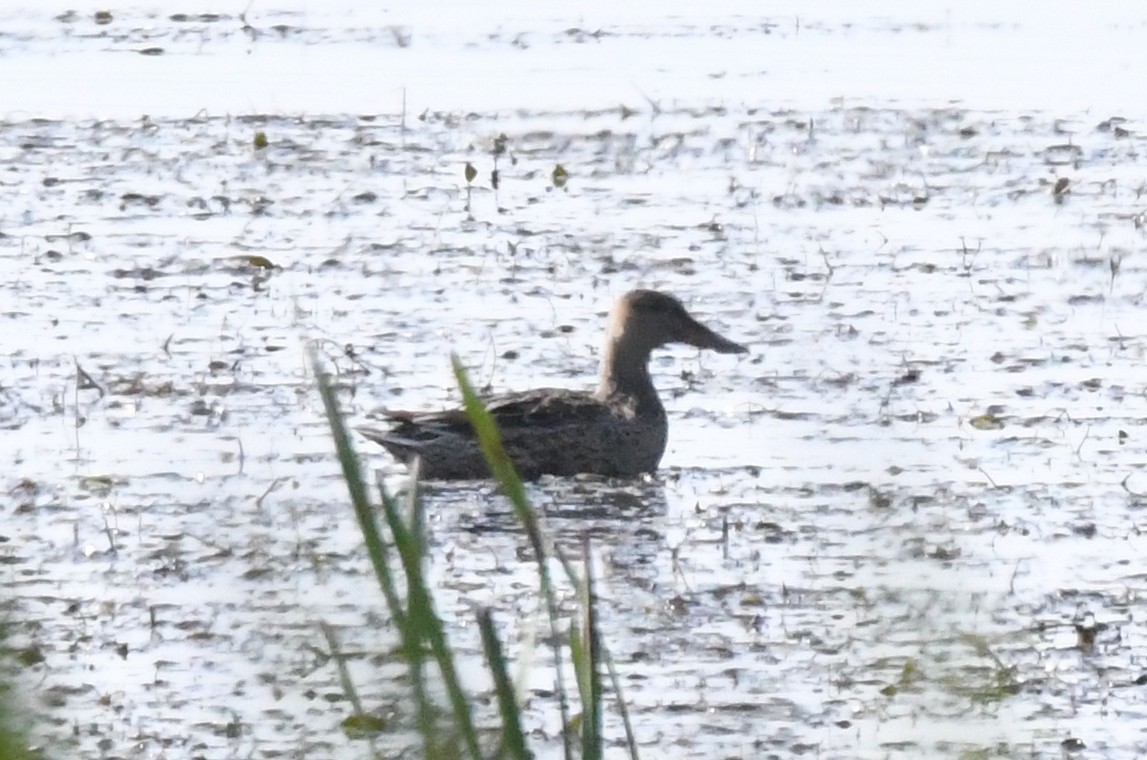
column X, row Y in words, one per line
column 618, row 431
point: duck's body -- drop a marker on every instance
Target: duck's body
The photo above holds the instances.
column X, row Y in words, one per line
column 549, row 431
column 619, row 431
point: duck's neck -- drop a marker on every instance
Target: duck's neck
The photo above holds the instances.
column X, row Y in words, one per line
column 625, row 372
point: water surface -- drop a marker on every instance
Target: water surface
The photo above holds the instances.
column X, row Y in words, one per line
column 905, row 525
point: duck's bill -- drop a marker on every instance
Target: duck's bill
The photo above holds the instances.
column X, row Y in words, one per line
column 702, row 337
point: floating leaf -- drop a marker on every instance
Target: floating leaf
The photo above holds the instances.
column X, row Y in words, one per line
column 471, row 172
column 260, row 140
column 560, row 176
column 987, row 422
column 30, row 656
column 98, row 485
column 362, row 725
column 73, row 237
column 259, row 262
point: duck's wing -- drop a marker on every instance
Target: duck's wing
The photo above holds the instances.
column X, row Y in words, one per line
column 540, row 408
column 544, row 408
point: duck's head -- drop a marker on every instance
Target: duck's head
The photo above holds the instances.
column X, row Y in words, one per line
column 642, row 320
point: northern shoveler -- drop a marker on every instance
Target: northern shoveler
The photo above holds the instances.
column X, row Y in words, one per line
column 620, row 430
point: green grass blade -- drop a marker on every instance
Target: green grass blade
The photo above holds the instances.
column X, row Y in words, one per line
column 591, row 745
column 503, row 471
column 412, row 637
column 615, row 682
column 340, row 663
column 490, row 440
column 412, row 629
column 356, row 486
column 426, row 625
column 513, row 741
column 578, row 655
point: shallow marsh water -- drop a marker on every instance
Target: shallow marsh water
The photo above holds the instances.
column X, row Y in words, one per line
column 905, row 525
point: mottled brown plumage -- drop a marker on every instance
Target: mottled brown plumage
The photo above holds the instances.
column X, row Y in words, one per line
column 620, row 430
